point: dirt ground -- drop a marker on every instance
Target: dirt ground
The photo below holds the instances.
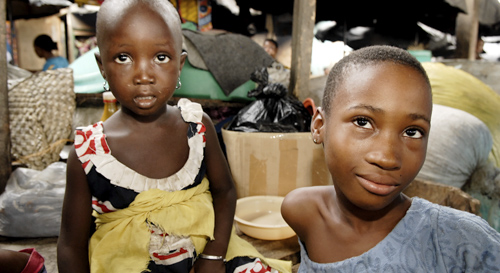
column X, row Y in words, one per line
column 283, row 249
column 45, row 246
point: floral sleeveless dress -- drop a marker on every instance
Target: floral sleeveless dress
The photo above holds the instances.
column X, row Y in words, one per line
column 114, row 186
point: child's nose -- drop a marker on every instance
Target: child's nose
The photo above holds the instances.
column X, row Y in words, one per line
column 386, row 152
column 144, row 73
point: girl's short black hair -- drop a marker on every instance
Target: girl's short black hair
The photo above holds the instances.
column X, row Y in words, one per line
column 45, row 42
column 364, row 57
column 272, row 41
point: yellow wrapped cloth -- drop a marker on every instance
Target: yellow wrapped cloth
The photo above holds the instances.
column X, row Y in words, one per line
column 121, row 241
column 458, row 89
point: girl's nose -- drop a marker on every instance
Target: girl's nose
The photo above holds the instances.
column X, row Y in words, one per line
column 144, row 74
column 386, row 152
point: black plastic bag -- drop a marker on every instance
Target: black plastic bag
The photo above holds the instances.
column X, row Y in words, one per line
column 273, row 111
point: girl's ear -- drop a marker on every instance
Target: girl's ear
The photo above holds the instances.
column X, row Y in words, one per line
column 99, row 63
column 183, row 60
column 317, row 126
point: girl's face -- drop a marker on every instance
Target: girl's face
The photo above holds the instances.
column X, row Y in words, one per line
column 141, row 60
column 375, row 137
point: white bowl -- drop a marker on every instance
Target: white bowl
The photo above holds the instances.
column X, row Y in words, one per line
column 260, row 217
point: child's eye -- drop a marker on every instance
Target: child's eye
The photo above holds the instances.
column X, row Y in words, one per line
column 123, row 58
column 414, row 133
column 162, row 58
column 362, row 122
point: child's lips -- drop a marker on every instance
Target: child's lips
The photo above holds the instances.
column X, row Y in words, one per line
column 378, row 188
column 145, row 101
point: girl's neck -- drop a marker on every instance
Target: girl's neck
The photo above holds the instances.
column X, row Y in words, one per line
column 131, row 117
column 363, row 220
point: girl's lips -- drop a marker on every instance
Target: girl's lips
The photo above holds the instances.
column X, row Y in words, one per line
column 376, row 188
column 145, row 101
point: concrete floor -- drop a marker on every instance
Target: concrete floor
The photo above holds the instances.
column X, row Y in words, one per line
column 45, row 246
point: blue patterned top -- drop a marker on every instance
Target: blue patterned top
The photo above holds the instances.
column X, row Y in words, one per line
column 430, row 238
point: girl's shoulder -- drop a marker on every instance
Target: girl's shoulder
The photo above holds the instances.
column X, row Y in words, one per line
column 467, row 240
column 443, row 215
column 87, row 133
column 307, row 198
column 89, row 141
column 190, row 111
column 306, row 202
column 453, row 224
column 307, row 194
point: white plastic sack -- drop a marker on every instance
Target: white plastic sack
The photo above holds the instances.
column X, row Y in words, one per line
column 459, row 144
column 32, row 202
column 456, row 88
column 279, row 74
column 458, row 155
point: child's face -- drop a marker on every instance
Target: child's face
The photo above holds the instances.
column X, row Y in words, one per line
column 375, row 137
column 141, row 60
column 270, row 48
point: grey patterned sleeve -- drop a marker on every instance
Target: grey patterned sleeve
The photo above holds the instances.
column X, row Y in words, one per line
column 467, row 242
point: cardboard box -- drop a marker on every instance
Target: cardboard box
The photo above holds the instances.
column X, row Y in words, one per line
column 274, row 163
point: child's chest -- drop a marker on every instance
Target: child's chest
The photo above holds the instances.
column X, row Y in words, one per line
column 154, row 156
column 333, row 244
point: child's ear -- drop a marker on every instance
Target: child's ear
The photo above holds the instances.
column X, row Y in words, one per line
column 99, row 63
column 183, row 60
column 317, row 126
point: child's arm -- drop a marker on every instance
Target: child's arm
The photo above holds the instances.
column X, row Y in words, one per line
column 13, row 261
column 72, row 246
column 224, row 197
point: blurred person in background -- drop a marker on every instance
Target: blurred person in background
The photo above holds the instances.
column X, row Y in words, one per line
column 44, row 48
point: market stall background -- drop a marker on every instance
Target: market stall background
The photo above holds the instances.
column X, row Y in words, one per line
column 391, row 21
column 357, row 23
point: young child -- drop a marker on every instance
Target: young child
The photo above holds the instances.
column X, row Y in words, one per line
column 271, row 47
column 374, row 126
column 142, row 171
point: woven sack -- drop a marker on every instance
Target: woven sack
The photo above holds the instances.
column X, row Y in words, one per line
column 41, row 112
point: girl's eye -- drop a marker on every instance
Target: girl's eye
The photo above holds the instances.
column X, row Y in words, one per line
column 122, row 59
column 162, row 58
column 363, row 123
column 414, row 133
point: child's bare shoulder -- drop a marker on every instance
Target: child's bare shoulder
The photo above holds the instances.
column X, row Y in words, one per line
column 304, row 194
column 207, row 120
column 307, row 202
column 175, row 110
column 176, row 117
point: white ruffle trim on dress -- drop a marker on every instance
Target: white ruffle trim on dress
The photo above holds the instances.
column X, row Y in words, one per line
column 92, row 149
column 190, row 111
